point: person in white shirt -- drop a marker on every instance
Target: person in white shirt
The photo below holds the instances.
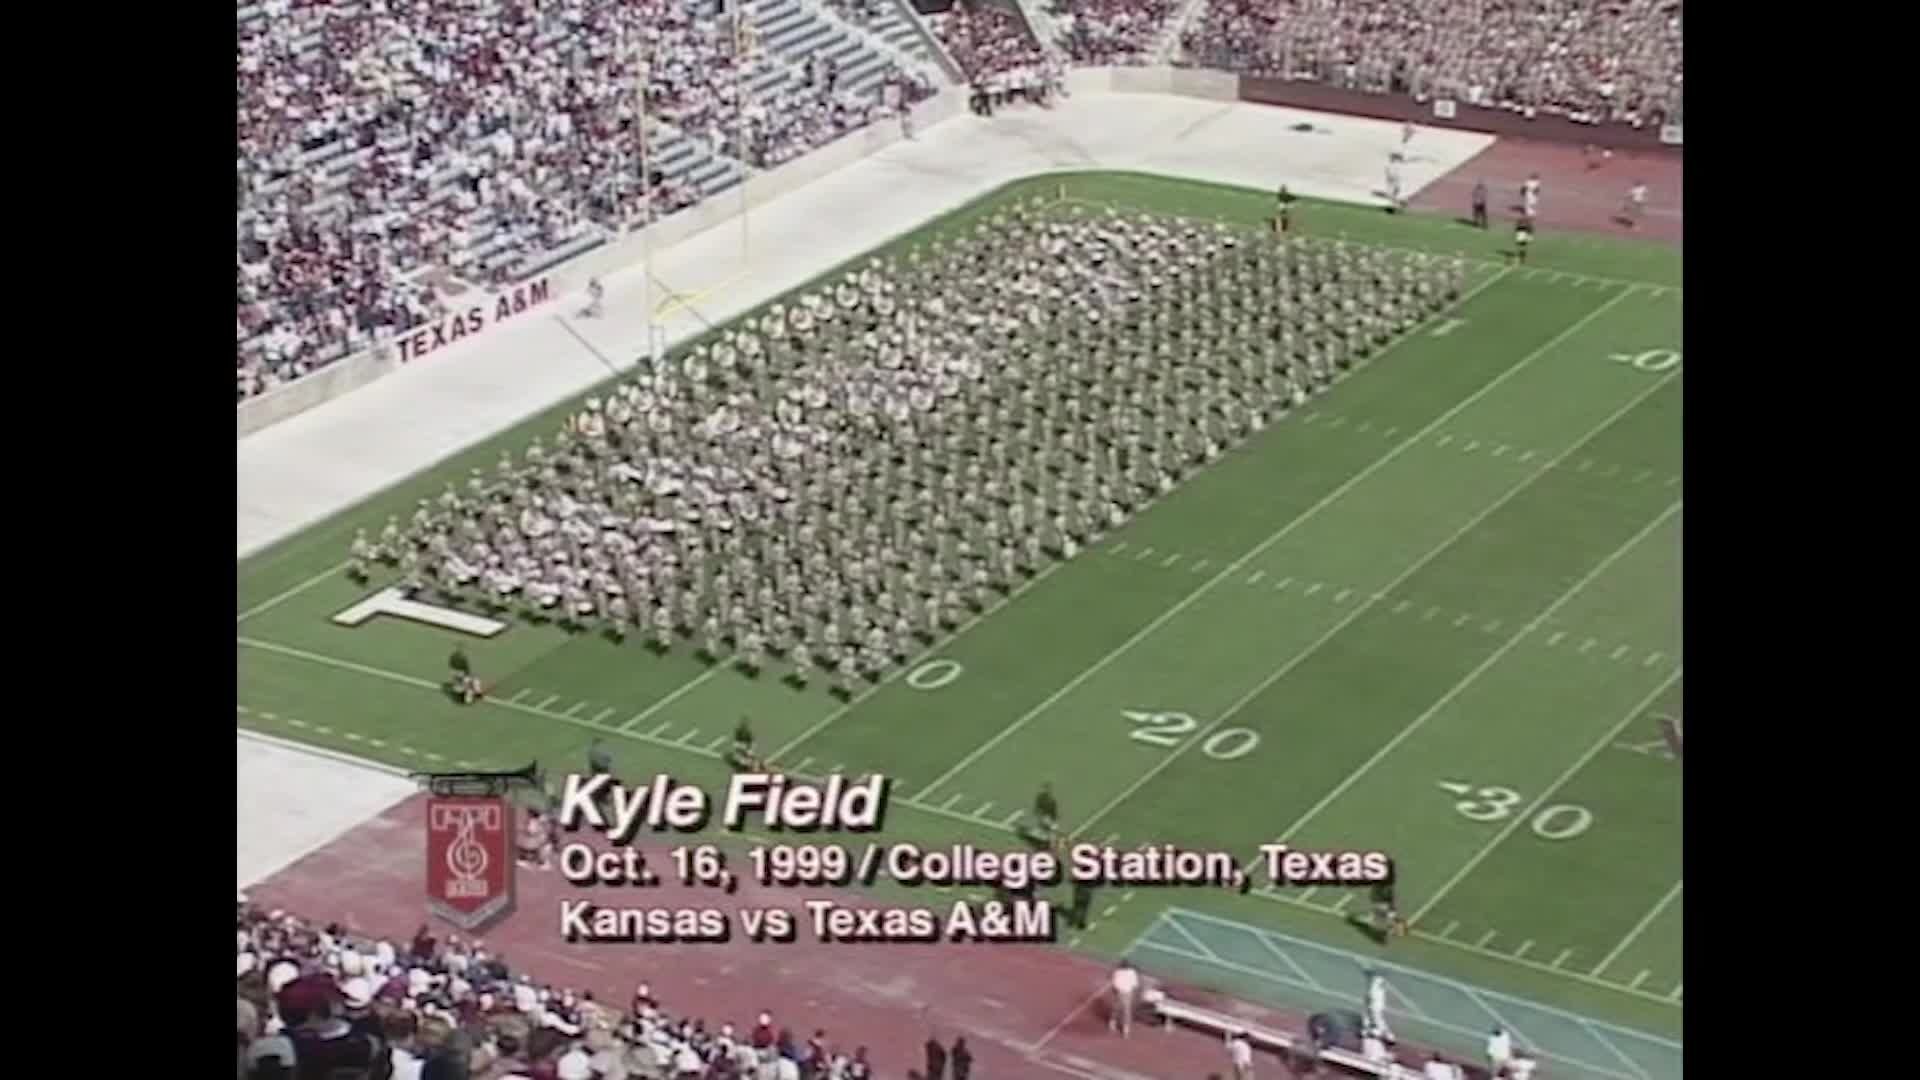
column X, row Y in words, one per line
column 1521, row 1069
column 1240, row 1054
column 1499, row 1051
column 1126, row 987
column 1438, row 1069
column 1376, row 1011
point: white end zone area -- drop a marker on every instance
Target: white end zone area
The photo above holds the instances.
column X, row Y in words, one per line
column 292, row 800
column 314, row 464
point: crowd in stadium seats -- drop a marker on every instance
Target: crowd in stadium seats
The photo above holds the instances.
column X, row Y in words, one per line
column 382, row 143
column 1112, row 31
column 989, row 41
column 1617, row 61
column 325, row 1003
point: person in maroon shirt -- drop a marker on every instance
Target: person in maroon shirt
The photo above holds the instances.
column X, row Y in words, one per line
column 322, row 1041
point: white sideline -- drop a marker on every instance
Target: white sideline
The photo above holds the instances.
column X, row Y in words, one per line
column 310, row 466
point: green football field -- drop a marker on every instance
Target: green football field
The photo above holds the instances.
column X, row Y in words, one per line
column 1436, row 611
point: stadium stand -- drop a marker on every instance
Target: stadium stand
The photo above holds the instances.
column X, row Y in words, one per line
column 320, row 1001
column 1592, row 62
column 1112, row 31
column 384, row 146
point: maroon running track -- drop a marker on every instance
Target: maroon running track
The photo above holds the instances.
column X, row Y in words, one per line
column 1577, row 192
column 1029, row 1011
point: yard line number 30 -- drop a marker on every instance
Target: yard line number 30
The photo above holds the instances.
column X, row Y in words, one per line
column 1562, row 821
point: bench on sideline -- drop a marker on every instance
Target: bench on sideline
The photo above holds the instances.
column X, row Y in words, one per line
column 1220, row 1024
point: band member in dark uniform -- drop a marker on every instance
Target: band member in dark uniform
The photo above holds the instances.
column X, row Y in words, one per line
column 1283, row 211
column 1082, row 905
column 1046, row 813
column 742, row 756
column 465, row 686
column 1386, row 913
column 1480, row 204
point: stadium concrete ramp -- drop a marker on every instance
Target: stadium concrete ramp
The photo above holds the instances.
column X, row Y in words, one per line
column 292, row 800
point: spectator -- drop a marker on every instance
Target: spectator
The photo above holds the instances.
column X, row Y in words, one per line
column 453, row 1011
column 1112, row 32
column 383, row 151
column 1592, row 62
column 962, row 1059
column 1240, row 1055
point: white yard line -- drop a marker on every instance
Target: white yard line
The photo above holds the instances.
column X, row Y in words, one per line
column 270, row 603
column 1360, row 610
column 1482, row 668
column 672, row 697
column 1559, row 782
column 1639, row 927
column 1238, row 564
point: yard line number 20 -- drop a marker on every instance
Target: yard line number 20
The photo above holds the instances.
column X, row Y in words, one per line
column 1562, row 821
column 1168, row 729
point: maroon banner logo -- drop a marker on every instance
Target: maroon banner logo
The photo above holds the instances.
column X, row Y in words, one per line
column 469, row 859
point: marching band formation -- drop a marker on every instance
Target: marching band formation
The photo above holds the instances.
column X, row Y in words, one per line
column 875, row 460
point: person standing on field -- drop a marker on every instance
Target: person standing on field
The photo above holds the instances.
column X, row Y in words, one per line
column 1126, row 988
